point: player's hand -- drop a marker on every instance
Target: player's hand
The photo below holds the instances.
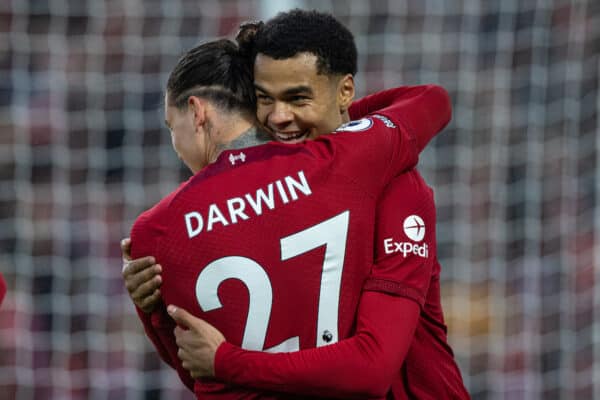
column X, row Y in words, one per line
column 142, row 279
column 198, row 342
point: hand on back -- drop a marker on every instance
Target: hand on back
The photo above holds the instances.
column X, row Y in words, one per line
column 142, row 279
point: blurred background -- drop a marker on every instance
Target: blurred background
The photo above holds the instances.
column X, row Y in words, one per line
column 83, row 151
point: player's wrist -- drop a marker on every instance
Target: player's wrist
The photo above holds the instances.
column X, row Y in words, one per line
column 222, row 358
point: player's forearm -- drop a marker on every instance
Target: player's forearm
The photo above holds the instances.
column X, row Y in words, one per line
column 424, row 109
column 359, row 367
column 305, row 372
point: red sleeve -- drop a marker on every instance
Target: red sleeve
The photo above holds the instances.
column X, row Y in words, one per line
column 404, row 239
column 424, row 110
column 159, row 329
column 153, row 334
column 145, row 238
column 359, row 367
column 365, row 364
column 2, row 288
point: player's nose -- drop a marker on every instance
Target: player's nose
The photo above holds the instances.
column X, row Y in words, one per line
column 280, row 115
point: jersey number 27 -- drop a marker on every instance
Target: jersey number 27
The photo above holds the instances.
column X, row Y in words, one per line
column 332, row 233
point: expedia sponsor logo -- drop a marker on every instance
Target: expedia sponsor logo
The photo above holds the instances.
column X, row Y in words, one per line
column 390, row 246
column 414, row 229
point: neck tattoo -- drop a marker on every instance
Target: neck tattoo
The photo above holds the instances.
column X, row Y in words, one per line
column 249, row 138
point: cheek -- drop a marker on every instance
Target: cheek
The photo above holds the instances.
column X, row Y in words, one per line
column 261, row 113
column 317, row 120
column 177, row 140
column 332, row 121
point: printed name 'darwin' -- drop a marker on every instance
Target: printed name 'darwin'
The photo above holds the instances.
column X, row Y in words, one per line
column 277, row 193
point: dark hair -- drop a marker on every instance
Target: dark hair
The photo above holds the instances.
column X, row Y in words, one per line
column 215, row 70
column 299, row 31
column 246, row 37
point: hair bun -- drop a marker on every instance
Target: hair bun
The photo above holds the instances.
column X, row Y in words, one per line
column 246, row 36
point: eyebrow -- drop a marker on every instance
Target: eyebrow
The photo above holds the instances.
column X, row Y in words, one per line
column 290, row 91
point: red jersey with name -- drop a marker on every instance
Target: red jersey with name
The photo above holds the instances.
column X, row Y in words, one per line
column 272, row 244
column 399, row 348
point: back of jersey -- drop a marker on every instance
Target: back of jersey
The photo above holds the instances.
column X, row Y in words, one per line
column 272, row 244
column 266, row 250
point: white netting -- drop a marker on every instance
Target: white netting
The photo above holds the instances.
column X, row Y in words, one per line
column 516, row 174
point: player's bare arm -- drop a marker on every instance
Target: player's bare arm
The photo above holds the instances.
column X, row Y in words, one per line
column 142, row 279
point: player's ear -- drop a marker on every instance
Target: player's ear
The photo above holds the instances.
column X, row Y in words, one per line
column 345, row 92
column 198, row 108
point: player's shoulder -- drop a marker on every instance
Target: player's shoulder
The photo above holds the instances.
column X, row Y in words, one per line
column 359, row 135
column 161, row 210
column 409, row 188
column 370, row 124
column 409, row 178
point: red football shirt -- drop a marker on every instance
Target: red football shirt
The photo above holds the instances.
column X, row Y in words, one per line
column 236, row 239
column 260, row 220
column 364, row 365
column 390, row 345
column 383, row 351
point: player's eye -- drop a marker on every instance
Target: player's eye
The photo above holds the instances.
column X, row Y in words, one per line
column 263, row 99
column 299, row 99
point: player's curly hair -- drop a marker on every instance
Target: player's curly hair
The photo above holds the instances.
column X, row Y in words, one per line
column 298, row 31
column 219, row 71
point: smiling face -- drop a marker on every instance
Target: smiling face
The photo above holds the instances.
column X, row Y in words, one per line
column 294, row 102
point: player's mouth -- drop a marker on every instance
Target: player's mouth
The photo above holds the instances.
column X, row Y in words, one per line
column 292, row 137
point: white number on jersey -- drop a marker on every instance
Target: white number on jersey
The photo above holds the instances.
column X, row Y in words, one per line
column 332, row 233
